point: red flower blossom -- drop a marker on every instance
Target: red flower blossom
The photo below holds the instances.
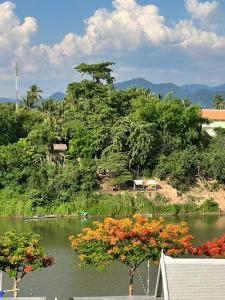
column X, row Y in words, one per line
column 28, row 269
column 215, row 248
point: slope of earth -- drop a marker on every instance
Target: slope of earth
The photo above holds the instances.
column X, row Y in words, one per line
column 197, row 194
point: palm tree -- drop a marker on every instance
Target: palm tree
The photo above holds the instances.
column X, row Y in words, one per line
column 28, row 102
column 47, row 106
column 218, row 101
column 33, row 95
column 35, row 92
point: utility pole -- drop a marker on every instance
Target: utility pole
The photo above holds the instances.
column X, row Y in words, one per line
column 148, row 279
column 1, row 281
column 17, row 84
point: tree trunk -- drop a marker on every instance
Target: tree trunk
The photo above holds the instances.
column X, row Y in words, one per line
column 131, row 272
column 15, row 292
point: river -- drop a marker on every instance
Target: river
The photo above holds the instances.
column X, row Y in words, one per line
column 65, row 279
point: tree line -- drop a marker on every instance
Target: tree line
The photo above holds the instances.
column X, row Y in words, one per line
column 117, row 134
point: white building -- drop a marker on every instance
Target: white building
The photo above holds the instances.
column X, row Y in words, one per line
column 216, row 118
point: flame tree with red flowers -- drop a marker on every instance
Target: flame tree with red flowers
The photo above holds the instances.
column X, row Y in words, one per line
column 131, row 242
column 214, row 248
column 20, row 254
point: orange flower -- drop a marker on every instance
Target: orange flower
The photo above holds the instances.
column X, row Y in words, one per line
column 118, row 240
column 164, row 235
column 28, row 269
column 126, row 248
column 136, row 243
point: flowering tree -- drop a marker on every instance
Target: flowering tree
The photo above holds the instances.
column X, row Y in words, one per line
column 130, row 242
column 214, row 249
column 21, row 254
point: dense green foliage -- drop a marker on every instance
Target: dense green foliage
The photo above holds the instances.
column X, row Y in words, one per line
column 110, row 134
column 21, row 254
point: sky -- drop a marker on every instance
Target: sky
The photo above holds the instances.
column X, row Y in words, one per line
column 179, row 41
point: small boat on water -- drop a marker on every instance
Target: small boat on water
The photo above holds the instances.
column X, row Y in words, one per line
column 40, row 217
column 83, row 214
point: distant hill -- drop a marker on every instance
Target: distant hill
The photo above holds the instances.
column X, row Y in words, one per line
column 57, row 96
column 197, row 93
column 193, row 88
column 7, row 100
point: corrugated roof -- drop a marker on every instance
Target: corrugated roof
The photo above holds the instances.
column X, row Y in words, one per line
column 191, row 279
column 115, row 298
column 214, row 114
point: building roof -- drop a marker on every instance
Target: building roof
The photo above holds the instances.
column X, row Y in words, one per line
column 138, row 182
column 115, row 298
column 151, row 182
column 214, row 114
column 191, row 279
column 60, row 147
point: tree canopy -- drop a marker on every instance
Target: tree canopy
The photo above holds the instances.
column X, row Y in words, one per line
column 98, row 72
column 21, row 254
column 122, row 133
column 130, row 242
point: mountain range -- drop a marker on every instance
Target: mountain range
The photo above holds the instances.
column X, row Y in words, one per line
column 7, row 100
column 196, row 93
column 55, row 96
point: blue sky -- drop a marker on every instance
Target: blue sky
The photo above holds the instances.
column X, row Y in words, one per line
column 180, row 41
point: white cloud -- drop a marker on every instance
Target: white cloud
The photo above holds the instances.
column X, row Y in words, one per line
column 201, row 10
column 198, row 41
column 13, row 33
column 127, row 28
column 204, row 12
column 130, row 26
column 15, row 36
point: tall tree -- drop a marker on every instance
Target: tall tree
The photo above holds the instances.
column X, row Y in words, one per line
column 130, row 242
column 218, row 101
column 21, row 254
column 32, row 97
column 47, row 106
column 98, row 72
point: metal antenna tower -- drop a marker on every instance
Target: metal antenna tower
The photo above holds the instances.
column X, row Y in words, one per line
column 17, row 84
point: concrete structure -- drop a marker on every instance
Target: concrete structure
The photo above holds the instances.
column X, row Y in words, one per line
column 191, row 279
column 216, row 118
column 116, row 298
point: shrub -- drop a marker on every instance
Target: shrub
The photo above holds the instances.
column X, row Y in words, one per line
column 209, row 205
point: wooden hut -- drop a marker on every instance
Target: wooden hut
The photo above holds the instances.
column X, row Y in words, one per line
column 59, row 152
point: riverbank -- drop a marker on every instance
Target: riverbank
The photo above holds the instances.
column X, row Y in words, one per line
column 14, row 204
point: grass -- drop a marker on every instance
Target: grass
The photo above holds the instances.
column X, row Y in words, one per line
column 15, row 204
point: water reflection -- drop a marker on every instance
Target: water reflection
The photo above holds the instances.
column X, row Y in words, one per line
column 65, row 279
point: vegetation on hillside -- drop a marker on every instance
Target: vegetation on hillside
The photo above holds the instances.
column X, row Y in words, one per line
column 111, row 134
